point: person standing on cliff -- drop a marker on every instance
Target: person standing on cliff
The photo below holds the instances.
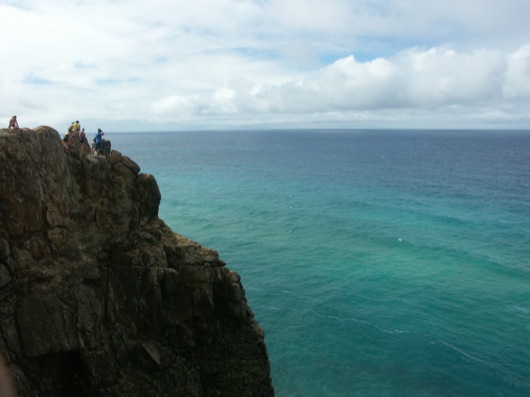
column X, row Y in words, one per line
column 77, row 127
column 99, row 140
column 13, row 123
column 82, row 136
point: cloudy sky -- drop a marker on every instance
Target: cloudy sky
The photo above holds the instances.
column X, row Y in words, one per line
column 137, row 65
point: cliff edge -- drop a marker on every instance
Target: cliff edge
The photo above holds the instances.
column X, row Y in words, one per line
column 98, row 297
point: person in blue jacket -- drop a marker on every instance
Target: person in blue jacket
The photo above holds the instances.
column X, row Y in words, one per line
column 99, row 140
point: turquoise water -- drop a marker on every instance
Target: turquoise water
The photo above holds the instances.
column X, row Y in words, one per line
column 379, row 263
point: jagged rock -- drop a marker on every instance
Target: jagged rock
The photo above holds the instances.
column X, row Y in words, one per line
column 131, row 165
column 99, row 297
column 106, row 147
column 152, row 194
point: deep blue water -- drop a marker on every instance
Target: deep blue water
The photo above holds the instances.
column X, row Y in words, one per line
column 379, row 263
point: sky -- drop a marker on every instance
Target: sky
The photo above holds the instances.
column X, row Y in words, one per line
column 166, row 65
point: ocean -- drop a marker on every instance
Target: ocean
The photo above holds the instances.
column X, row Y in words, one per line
column 378, row 262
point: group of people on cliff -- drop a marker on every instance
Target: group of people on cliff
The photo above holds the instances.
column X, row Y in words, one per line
column 75, row 128
column 76, row 131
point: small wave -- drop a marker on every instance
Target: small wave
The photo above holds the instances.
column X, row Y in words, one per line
column 324, row 316
column 343, row 320
column 463, row 353
column 274, row 308
column 521, row 310
column 392, row 331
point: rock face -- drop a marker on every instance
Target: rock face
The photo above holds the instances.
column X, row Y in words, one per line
column 98, row 297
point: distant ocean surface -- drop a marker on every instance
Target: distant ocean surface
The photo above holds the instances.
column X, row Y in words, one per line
column 379, row 263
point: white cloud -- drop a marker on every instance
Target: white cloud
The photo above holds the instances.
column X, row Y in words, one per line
column 517, row 82
column 215, row 63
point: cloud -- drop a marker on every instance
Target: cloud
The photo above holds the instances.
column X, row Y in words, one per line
column 414, row 78
column 215, row 63
column 517, row 82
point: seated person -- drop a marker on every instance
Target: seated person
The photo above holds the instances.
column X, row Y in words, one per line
column 13, row 123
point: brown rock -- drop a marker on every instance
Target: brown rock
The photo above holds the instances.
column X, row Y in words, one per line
column 131, row 165
column 99, row 297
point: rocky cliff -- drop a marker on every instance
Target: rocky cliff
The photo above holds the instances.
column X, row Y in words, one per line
column 98, row 297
